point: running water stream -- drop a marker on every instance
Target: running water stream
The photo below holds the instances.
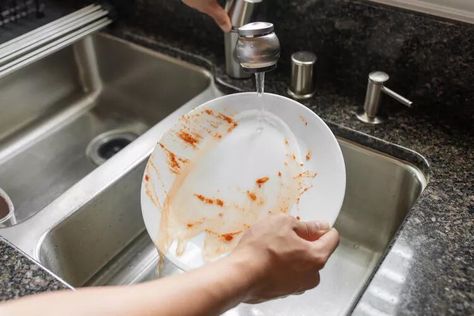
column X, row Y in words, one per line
column 260, row 83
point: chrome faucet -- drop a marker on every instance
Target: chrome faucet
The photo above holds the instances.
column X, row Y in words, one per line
column 369, row 114
column 258, row 47
column 241, row 12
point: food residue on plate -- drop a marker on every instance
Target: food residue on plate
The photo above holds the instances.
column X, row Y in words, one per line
column 207, row 200
column 251, row 196
column 174, row 162
column 187, row 212
column 303, row 119
column 261, row 181
column 188, row 138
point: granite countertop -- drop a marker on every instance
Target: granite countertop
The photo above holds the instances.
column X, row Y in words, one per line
column 438, row 231
column 20, row 276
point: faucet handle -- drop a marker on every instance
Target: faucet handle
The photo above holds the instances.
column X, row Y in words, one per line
column 258, row 47
column 375, row 87
column 241, row 12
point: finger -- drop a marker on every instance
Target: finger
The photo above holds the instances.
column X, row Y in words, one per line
column 328, row 242
column 220, row 16
column 311, row 230
column 311, row 281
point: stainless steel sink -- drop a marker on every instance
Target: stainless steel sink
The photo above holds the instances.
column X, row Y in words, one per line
column 52, row 109
column 90, row 229
column 104, row 241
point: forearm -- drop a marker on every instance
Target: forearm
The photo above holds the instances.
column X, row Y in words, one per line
column 206, row 291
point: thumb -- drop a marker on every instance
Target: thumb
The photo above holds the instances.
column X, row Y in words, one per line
column 311, row 230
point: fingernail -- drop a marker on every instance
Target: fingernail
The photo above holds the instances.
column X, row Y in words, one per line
column 226, row 28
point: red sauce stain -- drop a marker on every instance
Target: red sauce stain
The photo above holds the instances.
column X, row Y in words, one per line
column 207, row 200
column 188, row 138
column 229, row 236
column 251, row 195
column 217, row 135
column 279, row 173
column 306, row 174
column 147, row 177
column 298, row 218
column 261, row 181
column 308, row 155
column 306, row 189
column 209, row 111
column 196, row 223
column 293, row 156
column 226, row 118
column 173, row 160
column 232, row 126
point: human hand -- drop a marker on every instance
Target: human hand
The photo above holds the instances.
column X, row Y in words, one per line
column 214, row 10
column 285, row 255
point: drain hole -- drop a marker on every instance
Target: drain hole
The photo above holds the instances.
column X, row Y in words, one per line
column 112, row 147
column 108, row 144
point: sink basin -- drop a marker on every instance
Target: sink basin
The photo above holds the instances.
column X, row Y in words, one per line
column 53, row 109
column 104, row 242
column 87, row 227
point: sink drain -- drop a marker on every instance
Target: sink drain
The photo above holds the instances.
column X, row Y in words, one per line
column 108, row 144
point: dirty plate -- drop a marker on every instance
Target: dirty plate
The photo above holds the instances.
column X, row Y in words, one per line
column 229, row 163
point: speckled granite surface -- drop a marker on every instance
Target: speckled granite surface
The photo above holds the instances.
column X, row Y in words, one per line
column 429, row 60
column 20, row 276
column 432, row 258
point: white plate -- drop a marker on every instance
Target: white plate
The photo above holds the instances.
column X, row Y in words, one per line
column 227, row 164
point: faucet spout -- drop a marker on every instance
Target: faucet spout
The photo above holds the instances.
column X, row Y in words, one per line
column 258, row 47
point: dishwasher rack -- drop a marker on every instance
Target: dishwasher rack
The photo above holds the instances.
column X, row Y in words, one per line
column 45, row 40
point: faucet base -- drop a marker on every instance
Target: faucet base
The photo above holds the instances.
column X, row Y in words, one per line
column 362, row 116
column 297, row 96
column 232, row 65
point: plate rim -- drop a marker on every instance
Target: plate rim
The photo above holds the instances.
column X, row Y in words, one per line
column 172, row 258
